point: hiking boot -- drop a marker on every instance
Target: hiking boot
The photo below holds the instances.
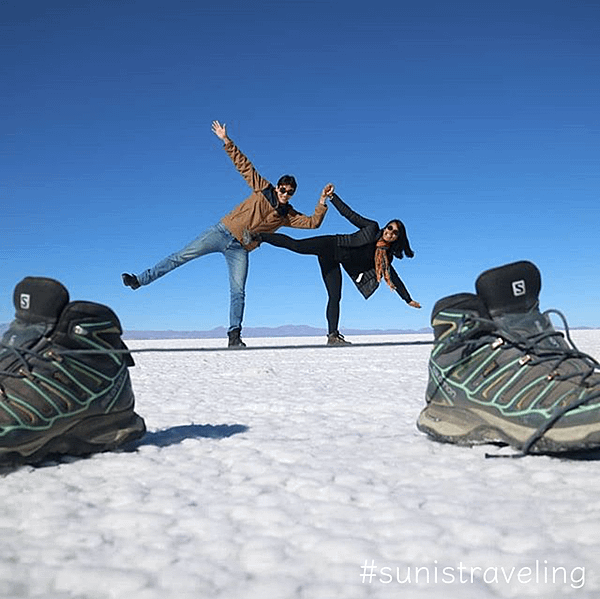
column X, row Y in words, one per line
column 63, row 387
column 130, row 281
column 500, row 373
column 235, row 340
column 336, row 338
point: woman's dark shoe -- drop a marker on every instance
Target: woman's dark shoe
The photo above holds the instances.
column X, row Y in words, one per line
column 336, row 338
column 250, row 237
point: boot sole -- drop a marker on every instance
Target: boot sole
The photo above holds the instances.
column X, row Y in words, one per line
column 472, row 426
column 95, row 434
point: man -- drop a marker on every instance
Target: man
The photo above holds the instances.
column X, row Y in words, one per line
column 264, row 211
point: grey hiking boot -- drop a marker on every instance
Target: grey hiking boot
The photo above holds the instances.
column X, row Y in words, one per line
column 500, row 373
column 64, row 380
column 336, row 338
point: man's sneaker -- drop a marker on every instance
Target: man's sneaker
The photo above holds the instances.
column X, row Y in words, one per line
column 64, row 379
column 336, row 338
column 235, row 339
column 500, row 373
column 130, row 281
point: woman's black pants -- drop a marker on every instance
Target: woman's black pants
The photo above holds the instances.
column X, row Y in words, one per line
column 323, row 247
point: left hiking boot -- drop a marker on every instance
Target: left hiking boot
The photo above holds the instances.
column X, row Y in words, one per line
column 500, row 373
column 130, row 281
column 235, row 339
column 336, row 338
column 64, row 379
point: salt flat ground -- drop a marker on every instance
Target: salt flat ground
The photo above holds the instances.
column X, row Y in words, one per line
column 297, row 473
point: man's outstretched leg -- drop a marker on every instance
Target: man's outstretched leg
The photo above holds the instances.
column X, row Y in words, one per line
column 214, row 239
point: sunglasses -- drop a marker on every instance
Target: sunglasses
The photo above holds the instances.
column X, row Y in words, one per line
column 287, row 191
column 393, row 229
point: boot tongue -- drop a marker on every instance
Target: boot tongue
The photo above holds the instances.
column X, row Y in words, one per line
column 38, row 302
column 510, row 289
column 38, row 299
column 511, row 294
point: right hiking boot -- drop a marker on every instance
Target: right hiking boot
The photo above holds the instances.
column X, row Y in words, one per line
column 500, row 373
column 130, row 281
column 336, row 338
column 64, row 379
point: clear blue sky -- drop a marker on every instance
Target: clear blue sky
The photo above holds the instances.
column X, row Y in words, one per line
column 476, row 123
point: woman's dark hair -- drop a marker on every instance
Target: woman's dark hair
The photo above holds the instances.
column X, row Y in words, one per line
column 287, row 180
column 400, row 247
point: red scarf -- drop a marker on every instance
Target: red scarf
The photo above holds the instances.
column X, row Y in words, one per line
column 382, row 263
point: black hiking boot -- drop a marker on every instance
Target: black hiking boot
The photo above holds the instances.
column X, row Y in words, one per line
column 235, row 340
column 500, row 373
column 130, row 281
column 55, row 398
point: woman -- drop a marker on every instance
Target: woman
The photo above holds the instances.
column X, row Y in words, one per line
column 365, row 255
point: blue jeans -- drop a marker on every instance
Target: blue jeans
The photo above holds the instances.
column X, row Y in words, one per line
column 215, row 239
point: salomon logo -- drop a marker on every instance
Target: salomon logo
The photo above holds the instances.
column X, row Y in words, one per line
column 519, row 288
column 25, row 301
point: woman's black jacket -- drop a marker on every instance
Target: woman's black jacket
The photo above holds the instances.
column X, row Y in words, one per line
column 356, row 252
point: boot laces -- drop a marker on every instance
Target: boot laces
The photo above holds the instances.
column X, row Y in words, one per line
column 533, row 346
column 19, row 364
column 536, row 350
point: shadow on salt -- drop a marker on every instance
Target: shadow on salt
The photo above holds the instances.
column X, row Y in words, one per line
column 177, row 434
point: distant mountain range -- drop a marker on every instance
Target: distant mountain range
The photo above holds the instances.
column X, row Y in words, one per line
column 287, row 330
